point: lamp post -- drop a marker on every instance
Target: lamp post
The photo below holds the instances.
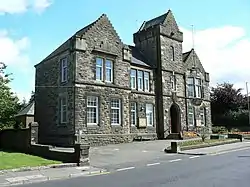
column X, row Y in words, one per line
column 248, row 103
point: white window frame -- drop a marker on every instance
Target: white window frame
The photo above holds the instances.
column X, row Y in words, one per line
column 116, row 108
column 133, row 77
column 146, row 81
column 148, row 112
column 191, row 112
column 63, row 108
column 203, row 116
column 140, row 78
column 96, row 108
column 133, row 111
column 191, row 85
column 109, row 68
column 64, row 69
column 198, row 86
column 99, row 66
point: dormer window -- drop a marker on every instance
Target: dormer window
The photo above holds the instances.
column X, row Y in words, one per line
column 172, row 53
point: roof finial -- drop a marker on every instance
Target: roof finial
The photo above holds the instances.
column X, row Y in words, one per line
column 194, row 64
column 193, row 35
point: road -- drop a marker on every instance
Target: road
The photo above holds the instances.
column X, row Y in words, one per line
column 223, row 170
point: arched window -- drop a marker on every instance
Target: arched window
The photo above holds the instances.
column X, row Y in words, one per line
column 172, row 53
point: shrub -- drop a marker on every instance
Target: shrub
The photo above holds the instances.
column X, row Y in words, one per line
column 219, row 129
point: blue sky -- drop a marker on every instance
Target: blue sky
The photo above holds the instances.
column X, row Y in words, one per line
column 34, row 28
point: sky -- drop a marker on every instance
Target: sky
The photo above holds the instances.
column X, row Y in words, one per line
column 31, row 29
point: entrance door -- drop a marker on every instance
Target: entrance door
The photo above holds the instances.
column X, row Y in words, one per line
column 175, row 119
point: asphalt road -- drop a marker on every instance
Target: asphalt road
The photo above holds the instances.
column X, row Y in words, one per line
column 223, row 170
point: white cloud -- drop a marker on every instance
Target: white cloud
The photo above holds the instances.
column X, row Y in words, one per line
column 223, row 52
column 20, row 6
column 14, row 52
column 41, row 5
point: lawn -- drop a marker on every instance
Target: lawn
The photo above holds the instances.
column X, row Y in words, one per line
column 9, row 160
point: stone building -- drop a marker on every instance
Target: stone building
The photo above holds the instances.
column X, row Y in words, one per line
column 104, row 91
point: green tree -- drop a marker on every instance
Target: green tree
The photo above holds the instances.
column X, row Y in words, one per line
column 227, row 105
column 9, row 103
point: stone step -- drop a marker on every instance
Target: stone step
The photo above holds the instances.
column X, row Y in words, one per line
column 174, row 136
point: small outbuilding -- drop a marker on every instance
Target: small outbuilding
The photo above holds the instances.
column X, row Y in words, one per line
column 26, row 115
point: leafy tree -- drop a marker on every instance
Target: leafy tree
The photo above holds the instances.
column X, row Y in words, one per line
column 228, row 105
column 9, row 103
column 224, row 98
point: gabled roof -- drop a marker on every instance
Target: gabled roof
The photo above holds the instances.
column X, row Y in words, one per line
column 186, row 55
column 27, row 110
column 156, row 21
column 80, row 32
column 137, row 57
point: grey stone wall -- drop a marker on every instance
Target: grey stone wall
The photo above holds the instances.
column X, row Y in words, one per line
column 48, row 89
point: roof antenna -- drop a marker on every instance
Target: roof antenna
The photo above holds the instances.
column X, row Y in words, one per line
column 194, row 64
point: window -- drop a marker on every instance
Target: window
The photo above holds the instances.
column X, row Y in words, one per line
column 64, row 68
column 191, row 87
column 202, row 116
column 104, row 67
column 172, row 53
column 115, row 111
column 92, row 110
column 99, row 69
column 149, row 114
column 109, row 71
column 133, row 114
column 146, row 81
column 139, row 80
column 173, row 82
column 190, row 115
column 133, row 79
column 198, row 88
column 63, row 109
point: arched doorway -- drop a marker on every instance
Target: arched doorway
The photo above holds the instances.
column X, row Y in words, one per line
column 175, row 118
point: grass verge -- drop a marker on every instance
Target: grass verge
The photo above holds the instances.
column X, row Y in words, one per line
column 195, row 144
column 198, row 142
column 11, row 160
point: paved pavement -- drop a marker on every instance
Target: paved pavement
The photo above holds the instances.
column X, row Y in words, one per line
column 218, row 170
column 113, row 158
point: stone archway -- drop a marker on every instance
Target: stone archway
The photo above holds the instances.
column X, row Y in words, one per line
column 175, row 118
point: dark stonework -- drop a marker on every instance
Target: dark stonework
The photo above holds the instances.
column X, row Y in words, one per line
column 158, row 49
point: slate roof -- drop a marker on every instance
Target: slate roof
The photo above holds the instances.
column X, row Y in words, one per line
column 156, row 21
column 186, row 55
column 137, row 57
column 27, row 110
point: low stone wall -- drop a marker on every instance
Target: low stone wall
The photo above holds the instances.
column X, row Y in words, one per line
column 25, row 141
column 106, row 139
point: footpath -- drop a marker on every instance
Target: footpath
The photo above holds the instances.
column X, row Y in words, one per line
column 102, row 157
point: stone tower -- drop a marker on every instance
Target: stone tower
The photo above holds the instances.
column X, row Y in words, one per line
column 161, row 42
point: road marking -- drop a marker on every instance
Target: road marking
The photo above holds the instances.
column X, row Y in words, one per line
column 24, row 178
column 144, row 151
column 194, row 157
column 153, row 164
column 176, row 160
column 123, row 169
column 83, row 167
column 116, row 149
column 224, row 152
column 95, row 174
